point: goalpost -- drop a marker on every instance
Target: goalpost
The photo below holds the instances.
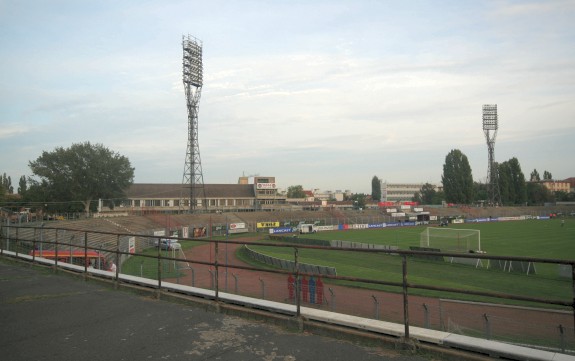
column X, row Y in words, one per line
column 451, row 239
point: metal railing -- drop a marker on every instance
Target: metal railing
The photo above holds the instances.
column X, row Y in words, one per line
column 206, row 264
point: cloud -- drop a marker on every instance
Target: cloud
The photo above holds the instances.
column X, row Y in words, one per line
column 12, row 130
column 322, row 93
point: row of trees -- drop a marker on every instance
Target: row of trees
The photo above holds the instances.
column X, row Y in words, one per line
column 69, row 179
column 86, row 172
column 459, row 187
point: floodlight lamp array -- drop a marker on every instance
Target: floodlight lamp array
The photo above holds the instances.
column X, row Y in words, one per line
column 490, row 117
column 192, row 61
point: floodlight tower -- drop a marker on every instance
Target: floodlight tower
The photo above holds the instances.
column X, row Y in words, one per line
column 193, row 78
column 490, row 130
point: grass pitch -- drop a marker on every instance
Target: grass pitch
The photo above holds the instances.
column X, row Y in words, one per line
column 533, row 238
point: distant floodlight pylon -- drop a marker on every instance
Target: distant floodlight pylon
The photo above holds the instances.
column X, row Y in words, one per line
column 490, row 126
column 193, row 80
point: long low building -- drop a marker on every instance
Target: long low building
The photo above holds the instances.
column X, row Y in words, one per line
column 172, row 198
column 175, row 197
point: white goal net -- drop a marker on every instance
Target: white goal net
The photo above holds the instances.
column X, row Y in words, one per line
column 451, row 239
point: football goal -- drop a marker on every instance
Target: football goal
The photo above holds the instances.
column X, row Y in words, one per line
column 451, row 239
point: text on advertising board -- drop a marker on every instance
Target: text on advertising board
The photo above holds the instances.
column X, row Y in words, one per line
column 267, row 224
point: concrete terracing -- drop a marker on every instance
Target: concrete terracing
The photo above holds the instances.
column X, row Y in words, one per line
column 51, row 316
column 56, row 318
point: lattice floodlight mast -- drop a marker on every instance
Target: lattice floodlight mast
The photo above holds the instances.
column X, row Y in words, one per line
column 490, row 125
column 193, row 79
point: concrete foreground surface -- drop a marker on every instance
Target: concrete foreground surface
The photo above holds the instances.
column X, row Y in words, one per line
column 48, row 316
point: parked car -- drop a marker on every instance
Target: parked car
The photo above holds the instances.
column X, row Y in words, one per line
column 168, row 244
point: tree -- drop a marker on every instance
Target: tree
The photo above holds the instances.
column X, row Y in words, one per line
column 376, row 189
column 295, row 192
column 547, row 176
column 512, row 182
column 2, row 192
column 481, row 191
column 535, row 176
column 457, row 178
column 505, row 188
column 83, row 172
column 519, row 184
column 439, row 197
column 359, row 200
column 7, row 184
column 22, row 186
column 426, row 195
column 562, row 196
column 538, row 194
column 417, row 198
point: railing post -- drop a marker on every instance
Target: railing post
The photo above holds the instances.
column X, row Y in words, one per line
column 193, row 277
column 56, row 251
column 217, row 281
column 297, row 282
column 41, row 236
column 375, row 307
column 487, row 327
column 8, row 233
column 425, row 316
column 573, row 292
column 332, row 299
column 86, row 256
column 159, row 266
column 211, row 279
column 235, row 283
column 405, row 297
column 34, row 246
column 17, row 241
column 263, row 289
column 117, row 259
column 562, row 338
column 441, row 323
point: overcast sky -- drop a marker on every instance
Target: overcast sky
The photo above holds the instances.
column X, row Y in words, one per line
column 323, row 94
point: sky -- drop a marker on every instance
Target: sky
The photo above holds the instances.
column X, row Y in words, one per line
column 323, row 94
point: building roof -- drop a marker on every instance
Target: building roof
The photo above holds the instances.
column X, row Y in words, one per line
column 173, row 191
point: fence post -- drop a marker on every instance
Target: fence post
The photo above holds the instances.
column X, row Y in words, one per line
column 263, row 288
column 217, row 281
column 297, row 282
column 34, row 246
column 17, row 241
column 8, row 232
column 573, row 290
column 425, row 316
column 56, row 252
column 487, row 327
column 376, row 307
column 562, row 338
column 86, row 256
column 332, row 299
column 117, row 260
column 235, row 283
column 41, row 236
column 159, row 266
column 441, row 323
column 211, row 279
column 405, row 297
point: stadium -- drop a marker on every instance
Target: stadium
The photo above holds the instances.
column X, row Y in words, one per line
column 491, row 286
column 422, row 277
